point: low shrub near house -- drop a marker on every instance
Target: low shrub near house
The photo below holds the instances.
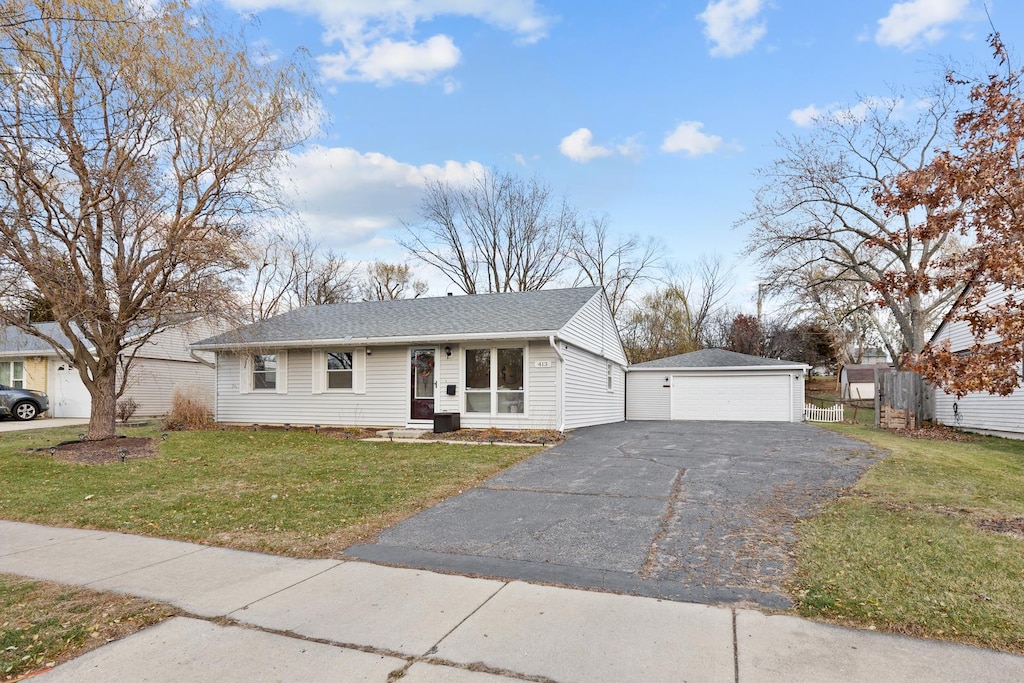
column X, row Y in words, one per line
column 189, row 408
column 126, row 409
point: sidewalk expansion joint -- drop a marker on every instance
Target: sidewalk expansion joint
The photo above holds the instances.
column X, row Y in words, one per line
column 147, row 566
column 735, row 647
column 433, row 648
column 289, row 587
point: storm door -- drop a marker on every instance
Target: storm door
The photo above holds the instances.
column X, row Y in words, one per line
column 422, row 384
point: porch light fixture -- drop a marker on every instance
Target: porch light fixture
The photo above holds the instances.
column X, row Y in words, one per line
column 448, row 351
column 369, row 352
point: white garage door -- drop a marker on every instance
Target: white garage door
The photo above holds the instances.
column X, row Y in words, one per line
column 70, row 397
column 744, row 398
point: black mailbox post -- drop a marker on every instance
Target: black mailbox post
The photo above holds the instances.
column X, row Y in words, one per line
column 446, row 422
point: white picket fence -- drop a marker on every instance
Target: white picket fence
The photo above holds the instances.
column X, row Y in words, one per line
column 816, row 414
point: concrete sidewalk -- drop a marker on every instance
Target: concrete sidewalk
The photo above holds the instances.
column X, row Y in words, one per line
column 286, row 619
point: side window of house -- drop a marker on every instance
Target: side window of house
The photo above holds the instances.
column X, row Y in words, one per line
column 264, row 371
column 12, row 374
column 611, row 378
column 339, row 369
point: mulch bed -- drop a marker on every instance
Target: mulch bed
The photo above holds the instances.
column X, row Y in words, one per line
column 538, row 436
column 936, row 433
column 105, row 451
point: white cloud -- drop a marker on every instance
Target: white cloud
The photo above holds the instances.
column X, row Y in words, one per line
column 388, row 61
column 807, row 116
column 733, row 26
column 377, row 37
column 579, row 146
column 352, row 200
column 912, row 23
column 688, row 139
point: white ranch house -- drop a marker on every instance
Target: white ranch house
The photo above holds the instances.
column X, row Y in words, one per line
column 549, row 359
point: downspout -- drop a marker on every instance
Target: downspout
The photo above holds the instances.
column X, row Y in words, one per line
column 198, row 359
column 560, row 383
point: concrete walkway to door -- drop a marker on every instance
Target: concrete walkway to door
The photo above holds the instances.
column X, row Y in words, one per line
column 694, row 511
column 11, row 425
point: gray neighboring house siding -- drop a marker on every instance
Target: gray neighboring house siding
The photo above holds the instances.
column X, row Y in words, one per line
column 568, row 337
column 979, row 411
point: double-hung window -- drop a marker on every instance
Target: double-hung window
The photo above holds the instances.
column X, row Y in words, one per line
column 495, row 380
column 339, row 370
column 264, row 371
column 12, row 374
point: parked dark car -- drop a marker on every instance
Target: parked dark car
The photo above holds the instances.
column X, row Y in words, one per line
column 22, row 404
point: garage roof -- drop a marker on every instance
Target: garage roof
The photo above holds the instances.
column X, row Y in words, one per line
column 716, row 358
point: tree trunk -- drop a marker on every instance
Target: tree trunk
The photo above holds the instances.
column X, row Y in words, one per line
column 103, row 414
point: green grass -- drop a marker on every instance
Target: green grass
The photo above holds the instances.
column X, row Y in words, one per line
column 43, row 623
column 904, row 553
column 294, row 493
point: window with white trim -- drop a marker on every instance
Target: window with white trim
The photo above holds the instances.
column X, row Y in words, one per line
column 611, row 378
column 495, row 380
column 339, row 370
column 12, row 374
column 264, row 372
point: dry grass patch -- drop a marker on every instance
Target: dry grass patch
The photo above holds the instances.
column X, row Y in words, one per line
column 44, row 624
column 925, row 545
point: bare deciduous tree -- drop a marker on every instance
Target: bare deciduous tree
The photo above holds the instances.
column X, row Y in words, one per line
column 292, row 271
column 678, row 317
column 617, row 264
column 499, row 233
column 389, row 281
column 135, row 144
column 818, row 211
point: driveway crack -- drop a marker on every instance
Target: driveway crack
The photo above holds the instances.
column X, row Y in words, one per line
column 667, row 516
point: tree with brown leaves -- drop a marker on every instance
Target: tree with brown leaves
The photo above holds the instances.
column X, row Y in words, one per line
column 137, row 142
column 976, row 190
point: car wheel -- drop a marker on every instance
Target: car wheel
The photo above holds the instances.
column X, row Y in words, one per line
column 26, row 410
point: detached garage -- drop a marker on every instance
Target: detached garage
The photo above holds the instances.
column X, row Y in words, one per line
column 714, row 384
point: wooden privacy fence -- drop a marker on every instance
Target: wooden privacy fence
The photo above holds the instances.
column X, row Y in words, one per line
column 814, row 413
column 901, row 399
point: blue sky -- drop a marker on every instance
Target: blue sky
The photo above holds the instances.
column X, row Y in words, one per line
column 657, row 114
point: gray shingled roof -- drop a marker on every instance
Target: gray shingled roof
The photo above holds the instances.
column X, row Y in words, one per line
column 16, row 341
column 447, row 316
column 712, row 358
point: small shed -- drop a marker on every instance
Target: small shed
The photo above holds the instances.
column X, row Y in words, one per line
column 857, row 382
column 717, row 385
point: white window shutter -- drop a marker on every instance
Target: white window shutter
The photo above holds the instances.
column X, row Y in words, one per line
column 319, row 371
column 282, row 372
column 244, row 373
column 359, row 370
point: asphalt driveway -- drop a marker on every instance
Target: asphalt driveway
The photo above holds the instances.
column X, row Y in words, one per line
column 695, row 511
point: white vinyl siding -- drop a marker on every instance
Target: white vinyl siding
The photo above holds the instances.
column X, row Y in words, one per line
column 586, row 398
column 982, row 412
column 152, row 383
column 385, row 402
column 648, row 396
column 593, row 329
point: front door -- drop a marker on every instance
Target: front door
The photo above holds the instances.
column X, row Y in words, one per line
column 422, row 384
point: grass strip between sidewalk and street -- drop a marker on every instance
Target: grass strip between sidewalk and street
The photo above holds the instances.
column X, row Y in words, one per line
column 295, row 493
column 911, row 550
column 43, row 624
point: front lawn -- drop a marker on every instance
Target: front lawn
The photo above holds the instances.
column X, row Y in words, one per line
column 43, row 624
column 908, row 550
column 286, row 492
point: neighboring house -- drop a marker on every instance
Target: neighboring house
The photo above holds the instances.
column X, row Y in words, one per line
column 977, row 412
column 857, row 382
column 161, row 365
column 715, row 384
column 549, row 359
